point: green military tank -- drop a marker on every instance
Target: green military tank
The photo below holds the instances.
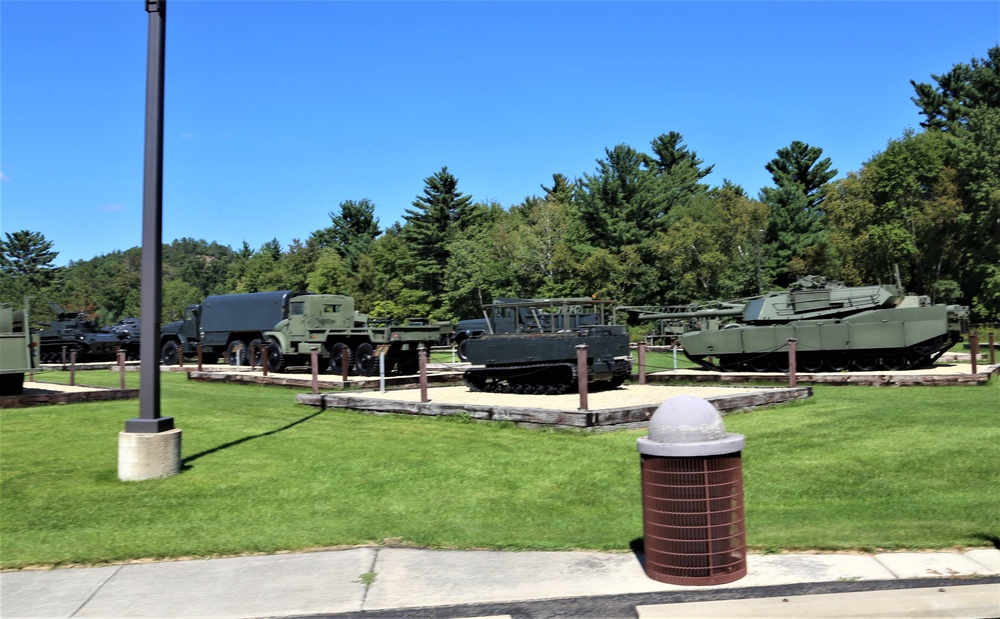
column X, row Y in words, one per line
column 835, row 328
column 530, row 346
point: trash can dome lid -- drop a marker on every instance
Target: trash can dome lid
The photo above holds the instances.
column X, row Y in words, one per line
column 686, row 419
column 687, row 426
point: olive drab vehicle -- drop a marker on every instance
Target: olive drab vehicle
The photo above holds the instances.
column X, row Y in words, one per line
column 530, row 346
column 330, row 324
column 835, row 327
column 18, row 350
column 90, row 341
column 288, row 325
column 225, row 326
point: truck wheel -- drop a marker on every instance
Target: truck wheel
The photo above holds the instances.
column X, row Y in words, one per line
column 168, row 354
column 236, row 353
column 275, row 358
column 337, row 352
column 365, row 361
column 256, row 348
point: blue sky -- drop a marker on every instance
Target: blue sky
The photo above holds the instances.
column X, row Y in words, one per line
column 277, row 111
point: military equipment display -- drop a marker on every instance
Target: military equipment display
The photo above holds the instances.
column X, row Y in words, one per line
column 835, row 327
column 329, row 323
column 474, row 327
column 225, row 325
column 672, row 321
column 17, row 350
column 90, row 341
column 288, row 325
column 530, row 346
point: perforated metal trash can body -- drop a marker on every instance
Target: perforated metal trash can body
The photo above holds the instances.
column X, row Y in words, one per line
column 692, row 496
column 692, row 519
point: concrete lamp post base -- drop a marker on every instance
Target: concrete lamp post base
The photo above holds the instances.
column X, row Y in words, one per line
column 143, row 456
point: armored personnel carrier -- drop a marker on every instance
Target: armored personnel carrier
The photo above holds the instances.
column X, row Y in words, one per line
column 91, row 342
column 836, row 328
column 530, row 346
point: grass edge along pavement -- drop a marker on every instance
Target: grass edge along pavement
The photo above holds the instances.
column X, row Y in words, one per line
column 852, row 469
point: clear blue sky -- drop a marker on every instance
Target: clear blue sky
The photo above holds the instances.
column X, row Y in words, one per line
column 277, row 111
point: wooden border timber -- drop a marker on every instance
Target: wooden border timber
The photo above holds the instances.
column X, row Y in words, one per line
column 607, row 419
column 96, row 394
column 328, row 381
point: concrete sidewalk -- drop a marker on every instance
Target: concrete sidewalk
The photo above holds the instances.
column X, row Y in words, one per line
column 389, row 582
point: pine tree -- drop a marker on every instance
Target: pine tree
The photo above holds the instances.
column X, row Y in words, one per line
column 26, row 259
column 796, row 232
column 441, row 213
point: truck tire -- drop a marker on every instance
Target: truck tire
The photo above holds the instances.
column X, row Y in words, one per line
column 11, row 384
column 275, row 358
column 236, row 353
column 256, row 348
column 365, row 361
column 337, row 351
column 168, row 353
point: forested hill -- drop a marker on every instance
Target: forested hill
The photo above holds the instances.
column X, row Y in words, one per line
column 641, row 228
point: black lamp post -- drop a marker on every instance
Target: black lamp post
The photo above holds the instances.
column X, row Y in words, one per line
column 149, row 420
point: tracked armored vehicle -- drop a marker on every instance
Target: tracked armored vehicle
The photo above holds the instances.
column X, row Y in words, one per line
column 72, row 331
column 835, row 327
column 536, row 352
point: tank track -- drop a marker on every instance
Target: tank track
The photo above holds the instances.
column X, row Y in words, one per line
column 890, row 359
column 528, row 378
column 539, row 378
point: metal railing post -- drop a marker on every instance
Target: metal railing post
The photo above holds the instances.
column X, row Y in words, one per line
column 642, row 363
column 344, row 353
column 791, row 362
column 422, row 357
column 581, row 375
column 314, row 362
column 974, row 350
column 121, row 369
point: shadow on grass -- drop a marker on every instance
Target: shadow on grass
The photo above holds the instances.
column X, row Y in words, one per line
column 986, row 537
column 186, row 462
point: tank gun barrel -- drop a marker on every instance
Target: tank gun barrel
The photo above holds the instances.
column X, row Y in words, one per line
column 733, row 310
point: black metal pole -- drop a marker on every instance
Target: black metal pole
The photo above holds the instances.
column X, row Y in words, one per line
column 149, row 420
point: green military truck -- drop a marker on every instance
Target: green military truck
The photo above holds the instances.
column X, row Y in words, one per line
column 18, row 350
column 329, row 323
column 289, row 324
column 225, row 325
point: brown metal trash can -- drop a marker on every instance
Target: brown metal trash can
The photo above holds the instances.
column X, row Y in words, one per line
column 692, row 496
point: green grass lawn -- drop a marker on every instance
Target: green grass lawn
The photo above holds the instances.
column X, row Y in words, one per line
column 852, row 468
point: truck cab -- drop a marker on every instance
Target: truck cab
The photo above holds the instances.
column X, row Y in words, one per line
column 318, row 312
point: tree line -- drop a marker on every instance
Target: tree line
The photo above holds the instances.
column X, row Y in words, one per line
column 642, row 228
